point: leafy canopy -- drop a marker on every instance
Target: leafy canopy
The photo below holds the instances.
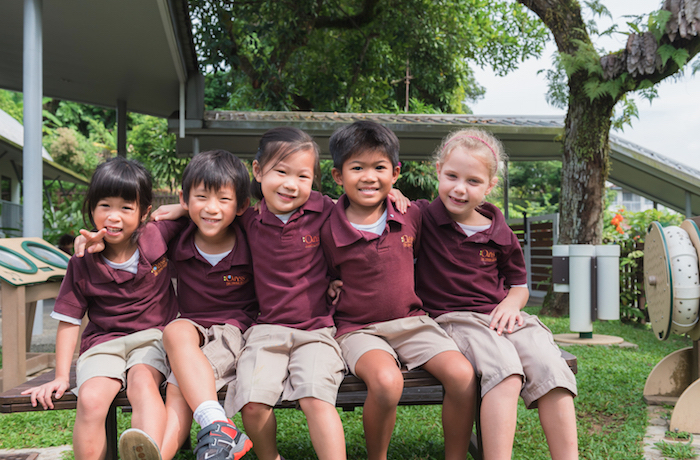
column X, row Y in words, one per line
column 352, row 55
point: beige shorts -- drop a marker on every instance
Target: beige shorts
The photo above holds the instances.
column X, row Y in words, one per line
column 293, row 363
column 115, row 357
column 528, row 351
column 412, row 341
column 221, row 344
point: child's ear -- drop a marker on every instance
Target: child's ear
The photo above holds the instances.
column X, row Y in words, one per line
column 337, row 176
column 437, row 167
column 493, row 183
column 183, row 203
column 243, row 206
column 257, row 171
column 145, row 215
column 395, row 174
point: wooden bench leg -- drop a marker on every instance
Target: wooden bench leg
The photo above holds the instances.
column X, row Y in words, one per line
column 111, row 432
column 476, row 443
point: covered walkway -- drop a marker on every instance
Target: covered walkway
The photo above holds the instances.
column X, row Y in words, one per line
column 634, row 168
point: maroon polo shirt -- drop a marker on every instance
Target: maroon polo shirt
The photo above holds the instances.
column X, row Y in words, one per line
column 291, row 274
column 222, row 294
column 376, row 270
column 459, row 273
column 117, row 302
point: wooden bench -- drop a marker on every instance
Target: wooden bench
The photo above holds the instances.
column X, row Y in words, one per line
column 420, row 388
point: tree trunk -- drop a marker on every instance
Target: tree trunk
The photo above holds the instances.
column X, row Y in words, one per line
column 585, row 164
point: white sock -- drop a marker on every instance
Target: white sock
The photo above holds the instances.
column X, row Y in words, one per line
column 209, row 412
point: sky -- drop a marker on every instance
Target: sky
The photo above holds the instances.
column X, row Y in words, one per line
column 669, row 125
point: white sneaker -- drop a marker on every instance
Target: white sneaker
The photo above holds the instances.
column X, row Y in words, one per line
column 135, row 444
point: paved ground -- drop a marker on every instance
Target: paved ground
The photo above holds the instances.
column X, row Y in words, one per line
column 658, row 416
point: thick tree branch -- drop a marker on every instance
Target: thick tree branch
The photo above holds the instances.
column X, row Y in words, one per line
column 362, row 18
column 641, row 59
column 563, row 19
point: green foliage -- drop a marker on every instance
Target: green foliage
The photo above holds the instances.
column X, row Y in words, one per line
column 624, row 111
column 328, row 184
column 166, row 167
column 679, row 55
column 12, row 103
column 678, row 436
column 418, row 180
column 656, row 23
column 628, row 230
column 558, row 84
column 534, row 187
column 63, row 215
column 677, row 450
column 351, row 55
column 68, row 147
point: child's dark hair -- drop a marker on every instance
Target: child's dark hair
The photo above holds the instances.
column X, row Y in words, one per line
column 118, row 177
column 276, row 145
column 363, row 136
column 215, row 169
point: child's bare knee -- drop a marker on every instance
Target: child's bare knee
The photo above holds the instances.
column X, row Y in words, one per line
column 93, row 403
column 177, row 331
column 255, row 410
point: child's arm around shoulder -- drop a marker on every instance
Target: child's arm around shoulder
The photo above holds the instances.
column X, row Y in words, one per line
column 401, row 202
column 66, row 338
column 168, row 212
column 507, row 313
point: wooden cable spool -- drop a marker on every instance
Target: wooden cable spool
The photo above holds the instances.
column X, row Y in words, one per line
column 672, row 284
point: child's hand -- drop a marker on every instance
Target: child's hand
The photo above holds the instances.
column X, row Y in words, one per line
column 42, row 394
column 92, row 241
column 257, row 207
column 505, row 316
column 168, row 212
column 334, row 290
column 401, row 203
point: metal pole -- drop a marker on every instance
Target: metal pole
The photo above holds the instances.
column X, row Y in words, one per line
column 506, row 186
column 121, row 128
column 32, row 82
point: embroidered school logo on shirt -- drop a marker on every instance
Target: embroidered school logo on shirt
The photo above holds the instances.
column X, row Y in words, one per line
column 407, row 241
column 310, row 241
column 159, row 266
column 487, row 256
column 231, row 280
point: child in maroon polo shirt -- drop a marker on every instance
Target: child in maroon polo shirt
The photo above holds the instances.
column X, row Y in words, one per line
column 217, row 303
column 127, row 293
column 290, row 350
column 471, row 276
column 370, row 247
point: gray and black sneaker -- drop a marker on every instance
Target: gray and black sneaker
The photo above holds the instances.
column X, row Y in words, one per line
column 221, row 441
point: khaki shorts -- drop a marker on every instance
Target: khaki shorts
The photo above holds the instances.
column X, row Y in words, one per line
column 221, row 344
column 412, row 341
column 528, row 351
column 293, row 363
column 115, row 357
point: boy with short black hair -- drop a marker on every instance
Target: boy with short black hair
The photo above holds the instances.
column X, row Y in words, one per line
column 371, row 248
column 216, row 295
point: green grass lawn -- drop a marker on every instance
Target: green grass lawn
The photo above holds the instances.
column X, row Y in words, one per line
column 611, row 414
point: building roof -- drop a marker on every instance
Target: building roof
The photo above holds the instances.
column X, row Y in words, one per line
column 11, row 142
column 526, row 138
column 99, row 52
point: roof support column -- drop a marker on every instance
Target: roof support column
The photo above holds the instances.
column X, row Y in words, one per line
column 32, row 90
column 506, row 186
column 121, row 128
column 182, row 110
column 688, row 207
